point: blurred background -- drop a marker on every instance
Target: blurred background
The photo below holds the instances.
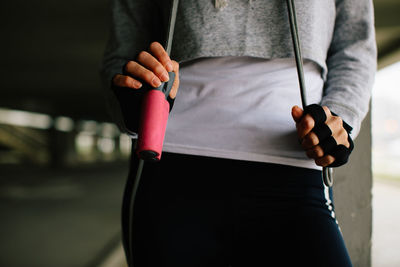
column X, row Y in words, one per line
column 63, row 163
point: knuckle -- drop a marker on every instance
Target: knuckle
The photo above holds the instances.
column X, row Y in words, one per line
column 117, row 79
column 309, row 122
column 134, row 69
column 318, row 152
column 159, row 69
column 322, row 161
column 124, row 81
column 148, row 76
column 175, row 65
column 338, row 121
column 327, row 111
column 329, row 160
column 318, row 162
column 314, row 140
column 342, row 136
column 342, row 132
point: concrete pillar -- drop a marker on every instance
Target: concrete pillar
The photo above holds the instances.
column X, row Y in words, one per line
column 353, row 197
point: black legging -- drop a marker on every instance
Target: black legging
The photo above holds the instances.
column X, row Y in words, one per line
column 199, row 211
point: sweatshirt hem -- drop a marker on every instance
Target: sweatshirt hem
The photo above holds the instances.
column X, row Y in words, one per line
column 241, row 155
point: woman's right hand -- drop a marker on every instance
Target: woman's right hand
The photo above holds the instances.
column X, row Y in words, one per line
column 151, row 67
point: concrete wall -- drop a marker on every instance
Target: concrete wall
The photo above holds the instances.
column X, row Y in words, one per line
column 353, row 197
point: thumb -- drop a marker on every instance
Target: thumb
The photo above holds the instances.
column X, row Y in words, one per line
column 297, row 113
column 175, row 85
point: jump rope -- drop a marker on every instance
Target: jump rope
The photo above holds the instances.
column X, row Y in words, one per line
column 155, row 111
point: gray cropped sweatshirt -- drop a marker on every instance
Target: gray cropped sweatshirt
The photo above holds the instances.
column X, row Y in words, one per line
column 338, row 35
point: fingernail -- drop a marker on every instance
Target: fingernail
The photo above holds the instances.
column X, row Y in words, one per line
column 156, row 82
column 169, row 67
column 137, row 85
column 165, row 77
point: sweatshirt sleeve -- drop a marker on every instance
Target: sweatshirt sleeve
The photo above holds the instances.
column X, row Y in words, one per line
column 133, row 26
column 351, row 62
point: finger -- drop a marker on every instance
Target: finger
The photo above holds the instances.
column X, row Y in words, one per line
column 126, row 81
column 151, row 63
column 305, row 126
column 341, row 138
column 315, row 152
column 322, row 131
column 327, row 111
column 325, row 161
column 140, row 72
column 316, row 112
column 158, row 51
column 335, row 123
column 175, row 86
column 297, row 113
column 309, row 141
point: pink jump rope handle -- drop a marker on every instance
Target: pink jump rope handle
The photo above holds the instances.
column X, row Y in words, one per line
column 155, row 107
column 153, row 121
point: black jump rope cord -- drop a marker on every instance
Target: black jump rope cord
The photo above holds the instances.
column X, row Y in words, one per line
column 326, row 172
column 131, row 207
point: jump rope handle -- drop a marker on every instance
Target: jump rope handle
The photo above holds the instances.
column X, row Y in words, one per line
column 153, row 121
column 155, row 108
column 152, row 126
column 327, row 174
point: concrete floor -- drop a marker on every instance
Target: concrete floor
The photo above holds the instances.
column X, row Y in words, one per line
column 63, row 218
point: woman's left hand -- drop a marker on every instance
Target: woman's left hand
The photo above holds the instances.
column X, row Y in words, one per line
column 309, row 139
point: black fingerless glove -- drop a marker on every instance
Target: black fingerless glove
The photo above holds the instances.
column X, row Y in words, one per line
column 328, row 144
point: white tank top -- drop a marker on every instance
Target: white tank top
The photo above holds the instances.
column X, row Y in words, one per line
column 240, row 108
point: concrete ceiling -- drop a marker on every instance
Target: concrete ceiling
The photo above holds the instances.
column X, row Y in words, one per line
column 51, row 52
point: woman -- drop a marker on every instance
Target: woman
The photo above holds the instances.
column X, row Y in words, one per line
column 239, row 183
